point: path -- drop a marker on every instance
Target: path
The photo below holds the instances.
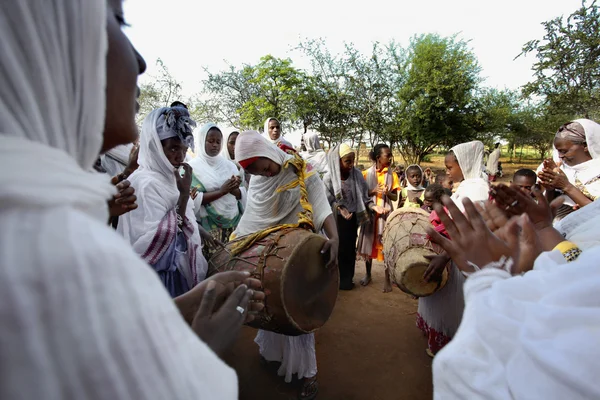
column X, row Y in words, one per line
column 369, row 350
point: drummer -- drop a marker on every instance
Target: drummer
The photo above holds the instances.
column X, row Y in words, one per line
column 284, row 191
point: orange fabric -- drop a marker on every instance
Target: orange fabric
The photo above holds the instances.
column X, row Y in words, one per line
column 377, row 252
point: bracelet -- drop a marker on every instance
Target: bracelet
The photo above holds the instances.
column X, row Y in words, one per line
column 179, row 218
column 569, row 250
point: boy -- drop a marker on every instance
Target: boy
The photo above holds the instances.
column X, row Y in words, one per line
column 525, row 179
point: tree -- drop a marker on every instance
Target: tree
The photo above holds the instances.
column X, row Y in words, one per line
column 567, row 71
column 160, row 92
column 435, row 105
column 494, row 114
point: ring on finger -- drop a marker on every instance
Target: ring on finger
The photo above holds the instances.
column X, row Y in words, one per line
column 514, row 203
column 506, row 208
column 240, row 310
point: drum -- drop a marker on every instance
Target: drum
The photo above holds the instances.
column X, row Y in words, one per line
column 300, row 291
column 405, row 245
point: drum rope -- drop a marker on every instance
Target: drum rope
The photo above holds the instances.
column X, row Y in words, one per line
column 304, row 217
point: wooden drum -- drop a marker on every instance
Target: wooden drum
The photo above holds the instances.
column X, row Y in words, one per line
column 300, row 291
column 405, row 245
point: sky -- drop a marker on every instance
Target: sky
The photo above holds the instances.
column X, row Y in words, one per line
column 189, row 35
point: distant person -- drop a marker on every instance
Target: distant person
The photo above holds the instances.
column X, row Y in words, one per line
column 428, row 177
column 525, row 179
column 273, row 134
column 383, row 187
column 492, row 163
column 314, row 154
column 412, row 194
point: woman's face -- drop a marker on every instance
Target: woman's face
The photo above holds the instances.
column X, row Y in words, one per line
column 453, row 169
column 175, row 151
column 274, row 129
column 212, row 145
column 385, row 157
column 123, row 65
column 571, row 153
column 264, row 167
column 231, row 145
column 347, row 163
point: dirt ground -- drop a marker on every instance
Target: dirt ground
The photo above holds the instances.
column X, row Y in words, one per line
column 369, row 349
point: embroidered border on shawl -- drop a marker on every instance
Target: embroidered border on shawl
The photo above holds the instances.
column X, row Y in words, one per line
column 165, row 234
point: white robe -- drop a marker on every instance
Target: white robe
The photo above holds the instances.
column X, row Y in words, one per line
column 534, row 336
column 82, row 316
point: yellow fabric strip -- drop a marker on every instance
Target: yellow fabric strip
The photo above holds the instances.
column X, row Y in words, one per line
column 565, row 246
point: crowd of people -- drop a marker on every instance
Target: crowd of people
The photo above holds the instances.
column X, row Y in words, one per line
column 106, row 287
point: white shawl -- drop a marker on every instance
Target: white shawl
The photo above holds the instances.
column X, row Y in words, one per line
column 152, row 226
column 314, row 154
column 474, row 186
column 526, row 337
column 266, row 207
column 82, row 316
column 492, row 163
column 115, row 160
column 268, row 137
column 582, row 226
column 409, row 186
column 213, row 172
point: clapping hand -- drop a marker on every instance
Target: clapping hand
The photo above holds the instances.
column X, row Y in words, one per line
column 124, row 201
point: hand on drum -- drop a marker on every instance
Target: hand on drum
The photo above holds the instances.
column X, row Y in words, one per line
column 436, row 266
column 209, row 239
column 331, row 246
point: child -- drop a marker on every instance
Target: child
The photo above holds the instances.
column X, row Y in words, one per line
column 428, row 177
column 433, row 194
column 525, row 179
column 399, row 170
column 444, row 179
column 412, row 194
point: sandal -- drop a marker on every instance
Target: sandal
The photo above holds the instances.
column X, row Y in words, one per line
column 309, row 389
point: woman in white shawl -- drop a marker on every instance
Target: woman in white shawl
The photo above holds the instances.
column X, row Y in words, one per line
column 530, row 336
column 575, row 169
column 163, row 230
column 314, row 154
column 273, row 134
column 83, row 316
column 269, row 206
column 216, row 186
column 439, row 315
column 228, row 152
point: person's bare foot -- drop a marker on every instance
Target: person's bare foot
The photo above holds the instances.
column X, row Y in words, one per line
column 387, row 287
column 366, row 280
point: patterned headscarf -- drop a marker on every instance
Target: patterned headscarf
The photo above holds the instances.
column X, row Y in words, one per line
column 176, row 122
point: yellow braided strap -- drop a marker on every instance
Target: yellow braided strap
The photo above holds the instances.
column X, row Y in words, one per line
column 569, row 250
column 304, row 216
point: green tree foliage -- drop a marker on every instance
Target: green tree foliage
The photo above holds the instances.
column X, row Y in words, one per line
column 435, row 105
column 160, row 92
column 567, row 71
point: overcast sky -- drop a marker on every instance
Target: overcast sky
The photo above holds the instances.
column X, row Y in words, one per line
column 190, row 34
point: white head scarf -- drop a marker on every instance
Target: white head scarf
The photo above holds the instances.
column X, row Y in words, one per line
column 409, row 186
column 72, row 289
column 224, row 150
column 314, row 154
column 152, row 226
column 213, row 172
column 268, row 137
column 266, row 207
column 474, row 186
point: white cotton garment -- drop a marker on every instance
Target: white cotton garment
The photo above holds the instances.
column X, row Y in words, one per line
column 213, row 172
column 266, row 207
column 115, row 160
column 492, row 163
column 474, row 186
column 268, row 137
column 314, row 154
column 535, row 336
column 82, row 316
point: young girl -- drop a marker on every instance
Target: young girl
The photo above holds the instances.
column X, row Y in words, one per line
column 276, row 197
column 383, row 187
column 412, row 194
column 439, row 315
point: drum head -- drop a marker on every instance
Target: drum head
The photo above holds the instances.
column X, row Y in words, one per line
column 309, row 290
column 410, row 279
